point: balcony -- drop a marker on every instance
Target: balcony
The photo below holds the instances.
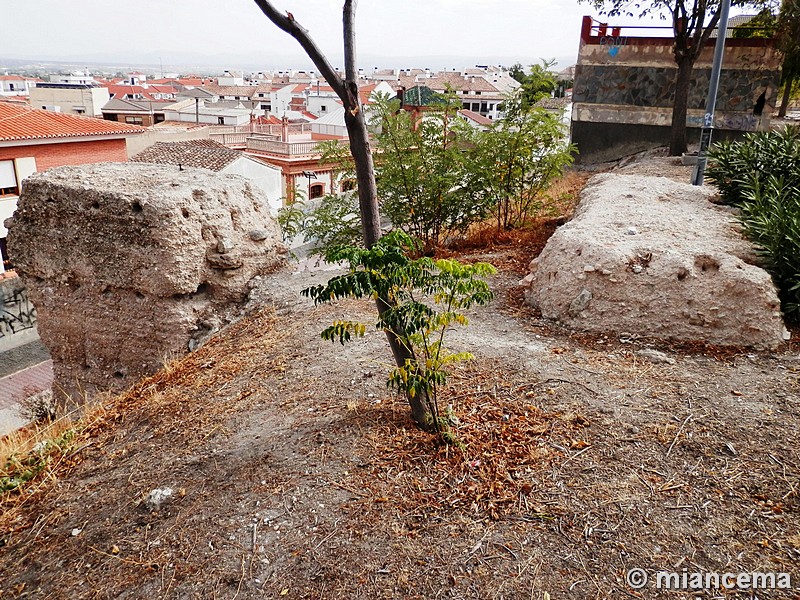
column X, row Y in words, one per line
column 230, row 139
column 267, row 145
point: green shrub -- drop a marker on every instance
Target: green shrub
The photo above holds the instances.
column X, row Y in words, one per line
column 424, row 298
column 733, row 165
column 770, row 214
column 761, row 175
column 329, row 222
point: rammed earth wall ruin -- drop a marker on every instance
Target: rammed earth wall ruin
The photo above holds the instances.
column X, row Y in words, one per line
column 130, row 264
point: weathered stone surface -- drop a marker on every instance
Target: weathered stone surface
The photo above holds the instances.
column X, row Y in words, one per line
column 654, row 257
column 129, row 264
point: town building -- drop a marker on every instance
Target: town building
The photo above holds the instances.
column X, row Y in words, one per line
column 208, row 154
column 75, row 94
column 135, row 112
column 16, row 85
column 34, row 140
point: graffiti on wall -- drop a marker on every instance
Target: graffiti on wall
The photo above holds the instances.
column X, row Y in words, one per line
column 16, row 311
column 613, row 43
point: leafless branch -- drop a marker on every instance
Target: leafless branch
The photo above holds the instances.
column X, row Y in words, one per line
column 290, row 25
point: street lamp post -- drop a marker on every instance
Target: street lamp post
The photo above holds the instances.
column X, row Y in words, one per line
column 711, row 102
column 309, row 175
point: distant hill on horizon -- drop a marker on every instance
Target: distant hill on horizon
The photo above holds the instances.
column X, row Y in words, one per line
column 212, row 64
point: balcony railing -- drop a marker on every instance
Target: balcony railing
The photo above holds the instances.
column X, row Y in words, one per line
column 269, row 146
column 230, row 139
column 292, row 128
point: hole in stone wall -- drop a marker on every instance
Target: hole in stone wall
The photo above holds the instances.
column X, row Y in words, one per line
column 185, row 213
column 95, row 205
column 706, row 263
column 235, row 218
column 137, row 207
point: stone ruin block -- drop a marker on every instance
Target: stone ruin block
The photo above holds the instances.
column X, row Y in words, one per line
column 129, row 264
column 654, row 258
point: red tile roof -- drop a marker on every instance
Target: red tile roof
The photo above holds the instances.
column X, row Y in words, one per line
column 268, row 120
column 205, row 154
column 22, row 123
column 120, row 91
column 476, row 117
column 365, row 91
column 192, row 81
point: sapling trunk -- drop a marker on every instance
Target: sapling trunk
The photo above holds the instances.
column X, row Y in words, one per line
column 347, row 90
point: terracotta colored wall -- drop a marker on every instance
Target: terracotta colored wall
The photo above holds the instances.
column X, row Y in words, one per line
column 69, row 153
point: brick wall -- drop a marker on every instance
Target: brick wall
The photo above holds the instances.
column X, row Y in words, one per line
column 70, row 153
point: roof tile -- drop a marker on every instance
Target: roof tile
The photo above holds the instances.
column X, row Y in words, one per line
column 204, row 154
column 23, row 123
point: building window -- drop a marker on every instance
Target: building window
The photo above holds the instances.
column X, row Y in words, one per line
column 8, row 179
column 316, row 191
column 477, row 93
column 220, row 120
column 323, row 108
column 134, row 120
column 348, row 185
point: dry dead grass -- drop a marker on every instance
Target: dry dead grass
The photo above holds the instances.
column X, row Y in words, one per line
column 295, row 474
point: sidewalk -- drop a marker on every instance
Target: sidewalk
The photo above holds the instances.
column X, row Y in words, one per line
column 25, row 369
column 16, row 387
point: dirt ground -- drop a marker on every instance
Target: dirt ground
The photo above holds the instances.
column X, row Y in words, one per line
column 295, row 473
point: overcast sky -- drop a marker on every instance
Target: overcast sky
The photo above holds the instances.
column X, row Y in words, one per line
column 389, row 31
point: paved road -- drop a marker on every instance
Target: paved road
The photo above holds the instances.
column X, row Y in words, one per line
column 25, row 369
column 20, row 351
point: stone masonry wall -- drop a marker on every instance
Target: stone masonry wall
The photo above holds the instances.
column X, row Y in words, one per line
column 626, row 83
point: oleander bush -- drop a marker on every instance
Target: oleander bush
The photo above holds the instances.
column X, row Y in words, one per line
column 761, row 175
column 733, row 165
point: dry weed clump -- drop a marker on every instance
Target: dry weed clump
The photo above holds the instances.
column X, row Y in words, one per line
column 42, row 452
column 167, row 401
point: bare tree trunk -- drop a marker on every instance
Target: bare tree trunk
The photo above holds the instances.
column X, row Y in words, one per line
column 677, row 139
column 787, row 94
column 347, row 90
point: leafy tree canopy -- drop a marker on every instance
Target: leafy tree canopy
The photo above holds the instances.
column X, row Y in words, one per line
column 539, row 82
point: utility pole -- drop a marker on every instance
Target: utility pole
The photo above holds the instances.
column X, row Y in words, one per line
column 711, row 102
